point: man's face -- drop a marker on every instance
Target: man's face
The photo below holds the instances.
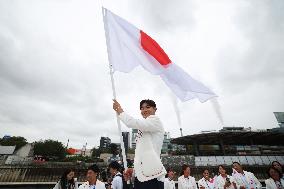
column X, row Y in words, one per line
column 147, row 110
column 187, row 171
column 237, row 167
column 91, row 175
column 112, row 171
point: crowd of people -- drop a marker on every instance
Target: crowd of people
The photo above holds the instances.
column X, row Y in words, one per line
column 119, row 179
column 149, row 172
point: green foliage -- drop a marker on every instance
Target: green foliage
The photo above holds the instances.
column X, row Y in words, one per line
column 96, row 152
column 50, row 148
column 113, row 149
column 14, row 141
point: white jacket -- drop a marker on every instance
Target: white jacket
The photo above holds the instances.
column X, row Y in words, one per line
column 186, row 183
column 58, row 185
column 208, row 185
column 99, row 185
column 250, row 180
column 147, row 162
column 221, row 182
column 169, row 184
column 270, row 184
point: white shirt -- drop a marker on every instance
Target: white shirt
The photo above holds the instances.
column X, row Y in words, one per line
column 99, row 185
column 271, row 184
column 186, row 183
column 208, row 185
column 169, row 184
column 147, row 162
column 247, row 180
column 221, row 182
column 58, row 185
column 117, row 181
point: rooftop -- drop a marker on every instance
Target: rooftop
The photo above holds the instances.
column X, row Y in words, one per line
column 234, row 136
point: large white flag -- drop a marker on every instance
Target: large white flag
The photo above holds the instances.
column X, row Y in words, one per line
column 129, row 47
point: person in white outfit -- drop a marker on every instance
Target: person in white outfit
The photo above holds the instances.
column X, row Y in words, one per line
column 275, row 180
column 114, row 169
column 92, row 181
column 67, row 180
column 169, row 180
column 244, row 179
column 185, row 181
column 206, row 182
column 148, row 168
column 225, row 181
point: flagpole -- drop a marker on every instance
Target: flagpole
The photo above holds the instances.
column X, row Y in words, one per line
column 114, row 95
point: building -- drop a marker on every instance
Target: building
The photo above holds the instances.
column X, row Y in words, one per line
column 7, row 150
column 133, row 138
column 234, row 141
column 126, row 140
column 254, row 149
column 280, row 118
column 166, row 143
column 105, row 142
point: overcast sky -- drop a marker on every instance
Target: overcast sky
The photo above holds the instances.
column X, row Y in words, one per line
column 54, row 77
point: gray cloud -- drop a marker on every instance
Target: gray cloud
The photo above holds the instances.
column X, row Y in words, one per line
column 166, row 15
column 54, row 80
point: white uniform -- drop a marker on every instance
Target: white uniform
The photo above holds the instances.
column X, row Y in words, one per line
column 271, row 184
column 147, row 162
column 247, row 180
column 99, row 185
column 186, row 183
column 169, row 184
column 117, row 182
column 221, row 182
column 58, row 185
column 212, row 184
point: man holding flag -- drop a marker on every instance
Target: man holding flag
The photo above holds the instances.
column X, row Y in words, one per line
column 148, row 168
column 129, row 47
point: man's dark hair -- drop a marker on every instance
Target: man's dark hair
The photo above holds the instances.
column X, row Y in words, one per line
column 205, row 169
column 277, row 171
column 115, row 165
column 148, row 102
column 223, row 167
column 94, row 168
column 236, row 163
column 168, row 170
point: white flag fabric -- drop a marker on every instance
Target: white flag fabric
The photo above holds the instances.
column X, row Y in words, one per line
column 129, row 47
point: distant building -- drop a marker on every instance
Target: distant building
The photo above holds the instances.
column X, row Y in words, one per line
column 126, row 140
column 22, row 155
column 105, row 142
column 280, row 118
column 231, row 141
column 133, row 138
column 166, row 143
column 7, row 150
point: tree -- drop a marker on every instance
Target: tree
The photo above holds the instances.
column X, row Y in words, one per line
column 96, row 152
column 17, row 141
column 50, row 148
column 113, row 149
